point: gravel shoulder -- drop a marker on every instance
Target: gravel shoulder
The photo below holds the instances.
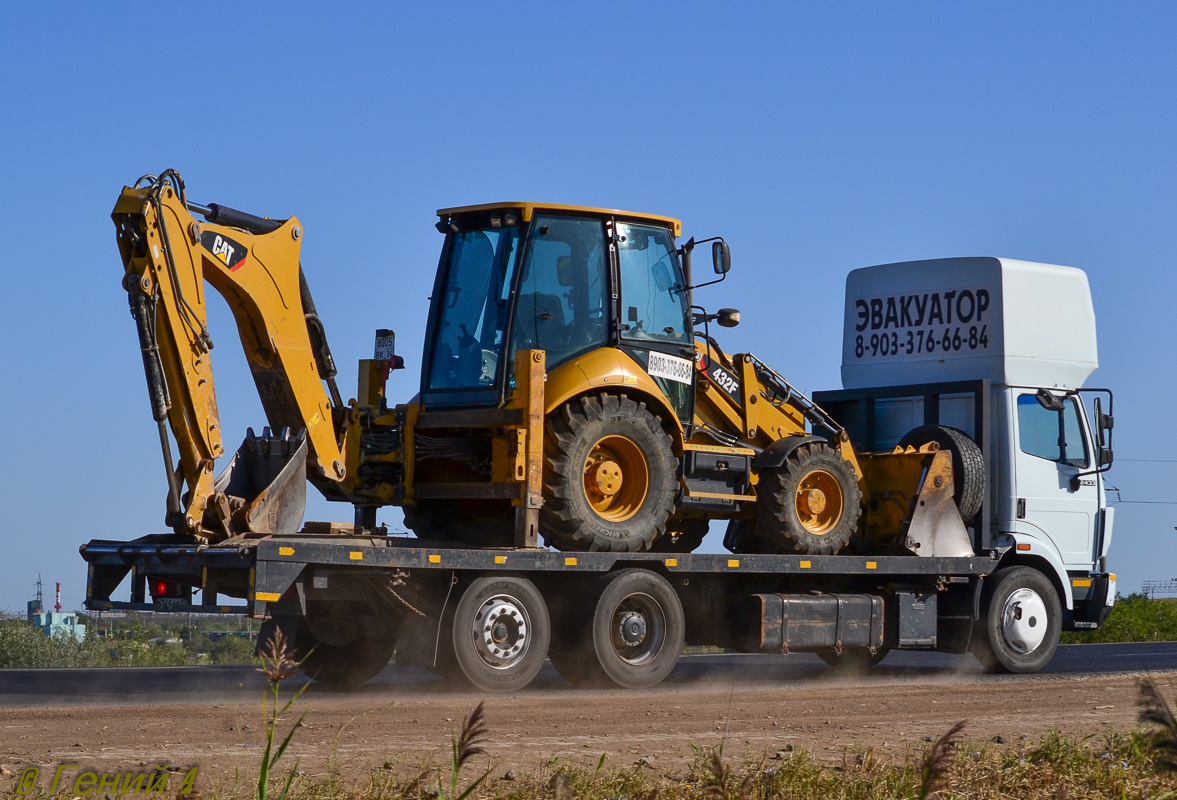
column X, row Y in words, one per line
column 368, row 731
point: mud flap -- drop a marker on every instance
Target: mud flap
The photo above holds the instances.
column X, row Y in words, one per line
column 264, row 487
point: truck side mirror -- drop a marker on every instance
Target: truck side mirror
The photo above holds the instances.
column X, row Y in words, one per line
column 1104, row 423
column 722, row 257
column 1049, row 400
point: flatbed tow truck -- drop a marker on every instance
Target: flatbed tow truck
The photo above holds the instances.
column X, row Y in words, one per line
column 949, row 498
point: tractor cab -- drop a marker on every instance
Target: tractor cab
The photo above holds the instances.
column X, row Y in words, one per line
column 564, row 279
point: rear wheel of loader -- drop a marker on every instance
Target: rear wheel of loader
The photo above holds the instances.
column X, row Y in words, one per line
column 809, row 505
column 968, row 467
column 609, row 477
column 1021, row 619
column 501, row 631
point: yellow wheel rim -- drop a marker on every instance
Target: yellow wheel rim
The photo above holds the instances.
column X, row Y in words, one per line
column 616, row 478
column 819, row 502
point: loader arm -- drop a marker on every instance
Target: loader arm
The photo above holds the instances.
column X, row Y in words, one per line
column 254, row 264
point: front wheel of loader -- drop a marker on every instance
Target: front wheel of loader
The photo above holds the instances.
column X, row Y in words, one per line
column 610, row 475
column 810, row 505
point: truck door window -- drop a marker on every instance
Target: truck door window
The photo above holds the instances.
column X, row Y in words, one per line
column 653, row 303
column 1053, row 435
column 560, row 302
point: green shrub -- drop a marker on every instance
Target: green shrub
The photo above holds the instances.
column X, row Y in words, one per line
column 24, row 646
column 1134, row 618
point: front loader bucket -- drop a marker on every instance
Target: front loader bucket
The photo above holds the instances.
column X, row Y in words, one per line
column 264, row 487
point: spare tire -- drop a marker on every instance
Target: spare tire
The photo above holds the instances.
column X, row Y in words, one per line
column 968, row 466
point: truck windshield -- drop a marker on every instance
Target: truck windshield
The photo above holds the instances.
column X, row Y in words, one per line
column 472, row 313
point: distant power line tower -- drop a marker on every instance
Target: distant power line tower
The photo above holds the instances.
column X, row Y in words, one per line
column 1154, row 589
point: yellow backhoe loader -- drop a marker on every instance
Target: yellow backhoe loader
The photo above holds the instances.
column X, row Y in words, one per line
column 571, row 393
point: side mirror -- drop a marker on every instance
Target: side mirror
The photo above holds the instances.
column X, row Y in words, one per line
column 1049, row 400
column 722, row 257
column 1104, row 423
column 728, row 317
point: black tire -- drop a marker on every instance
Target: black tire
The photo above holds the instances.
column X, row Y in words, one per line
column 636, row 633
column 571, row 651
column 500, row 633
column 968, row 466
column 606, row 432
column 810, row 505
column 685, row 540
column 340, row 666
column 476, row 523
column 853, row 660
column 1021, row 619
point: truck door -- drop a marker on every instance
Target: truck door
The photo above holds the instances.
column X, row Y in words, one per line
column 1052, row 448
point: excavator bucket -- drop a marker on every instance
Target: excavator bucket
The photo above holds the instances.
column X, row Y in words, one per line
column 264, row 488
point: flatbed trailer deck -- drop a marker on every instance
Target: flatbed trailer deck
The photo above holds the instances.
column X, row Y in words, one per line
column 269, row 566
column 850, row 609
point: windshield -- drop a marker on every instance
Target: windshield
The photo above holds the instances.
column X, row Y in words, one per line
column 472, row 308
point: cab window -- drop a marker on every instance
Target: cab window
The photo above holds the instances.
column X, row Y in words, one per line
column 653, row 295
column 1053, row 435
column 560, row 301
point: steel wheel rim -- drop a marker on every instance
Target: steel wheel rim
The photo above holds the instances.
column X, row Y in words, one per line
column 818, row 501
column 1023, row 621
column 638, row 629
column 616, row 478
column 501, row 631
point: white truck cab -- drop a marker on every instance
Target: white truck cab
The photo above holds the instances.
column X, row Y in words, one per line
column 917, row 332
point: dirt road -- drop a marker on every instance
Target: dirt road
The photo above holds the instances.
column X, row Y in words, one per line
column 368, row 731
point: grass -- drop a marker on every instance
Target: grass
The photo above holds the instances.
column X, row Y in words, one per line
column 1119, row 765
column 1134, row 763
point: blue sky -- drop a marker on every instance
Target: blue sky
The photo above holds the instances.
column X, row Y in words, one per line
column 815, row 139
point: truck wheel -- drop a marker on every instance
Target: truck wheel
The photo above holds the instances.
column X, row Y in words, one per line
column 968, row 466
column 853, row 660
column 637, row 630
column 610, row 475
column 810, row 505
column 1021, row 618
column 340, row 666
column 500, row 633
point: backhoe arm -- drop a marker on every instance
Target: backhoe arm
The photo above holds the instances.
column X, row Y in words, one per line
column 254, row 263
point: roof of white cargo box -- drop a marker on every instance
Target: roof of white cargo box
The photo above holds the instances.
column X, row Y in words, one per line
column 1017, row 323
